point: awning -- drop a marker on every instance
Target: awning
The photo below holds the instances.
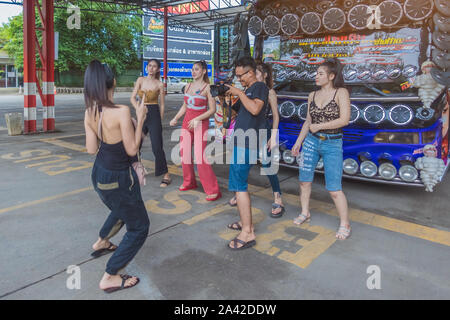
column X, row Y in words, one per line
column 200, row 14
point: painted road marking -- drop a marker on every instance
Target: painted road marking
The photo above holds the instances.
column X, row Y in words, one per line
column 173, row 197
column 62, row 160
column 356, row 215
column 202, row 216
column 309, row 241
column 35, row 202
column 368, row 218
column 65, row 144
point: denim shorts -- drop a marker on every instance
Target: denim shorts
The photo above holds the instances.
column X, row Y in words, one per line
column 242, row 161
column 330, row 151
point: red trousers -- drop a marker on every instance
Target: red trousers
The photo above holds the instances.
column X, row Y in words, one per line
column 195, row 137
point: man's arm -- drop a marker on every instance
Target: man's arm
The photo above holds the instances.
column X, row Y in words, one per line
column 254, row 106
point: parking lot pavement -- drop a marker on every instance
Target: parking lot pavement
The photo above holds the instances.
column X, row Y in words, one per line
column 50, row 216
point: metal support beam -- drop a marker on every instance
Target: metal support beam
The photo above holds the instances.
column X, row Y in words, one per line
column 48, row 76
column 166, row 32
column 29, row 66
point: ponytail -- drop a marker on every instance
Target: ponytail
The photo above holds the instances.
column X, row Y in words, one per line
column 98, row 80
column 335, row 67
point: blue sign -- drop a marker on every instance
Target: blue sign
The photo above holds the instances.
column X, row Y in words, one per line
column 154, row 26
column 178, row 50
column 181, row 70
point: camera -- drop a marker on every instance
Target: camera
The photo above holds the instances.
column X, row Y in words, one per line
column 220, row 89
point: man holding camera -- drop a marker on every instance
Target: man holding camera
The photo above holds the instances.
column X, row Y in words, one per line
column 251, row 108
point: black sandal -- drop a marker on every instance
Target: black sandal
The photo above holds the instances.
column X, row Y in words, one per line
column 235, row 226
column 245, row 245
column 104, row 251
column 279, row 214
column 124, row 277
column 166, row 182
column 232, row 204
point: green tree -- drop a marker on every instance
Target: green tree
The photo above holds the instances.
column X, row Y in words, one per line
column 110, row 38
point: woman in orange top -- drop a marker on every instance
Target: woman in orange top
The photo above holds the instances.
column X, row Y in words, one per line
column 150, row 88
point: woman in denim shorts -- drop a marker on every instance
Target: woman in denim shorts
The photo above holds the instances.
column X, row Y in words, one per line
column 321, row 137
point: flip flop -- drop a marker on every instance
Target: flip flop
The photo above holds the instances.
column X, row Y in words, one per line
column 233, row 225
column 245, row 245
column 232, row 204
column 124, row 277
column 279, row 214
column 166, row 182
column 104, row 251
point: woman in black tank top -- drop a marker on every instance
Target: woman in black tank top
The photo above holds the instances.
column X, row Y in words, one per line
column 113, row 177
column 321, row 138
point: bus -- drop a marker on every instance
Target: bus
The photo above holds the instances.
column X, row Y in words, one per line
column 395, row 60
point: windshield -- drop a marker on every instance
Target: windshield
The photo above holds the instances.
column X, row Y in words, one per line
column 303, row 88
column 376, row 63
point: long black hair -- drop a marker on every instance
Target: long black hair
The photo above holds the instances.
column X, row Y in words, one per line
column 204, row 66
column 335, row 67
column 157, row 74
column 267, row 69
column 98, row 80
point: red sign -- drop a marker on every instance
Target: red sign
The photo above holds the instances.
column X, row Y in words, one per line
column 188, row 8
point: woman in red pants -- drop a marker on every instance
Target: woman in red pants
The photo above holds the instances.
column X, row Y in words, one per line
column 198, row 107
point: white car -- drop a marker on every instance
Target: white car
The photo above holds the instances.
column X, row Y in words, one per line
column 175, row 85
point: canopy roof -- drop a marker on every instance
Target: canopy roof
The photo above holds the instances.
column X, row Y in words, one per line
column 201, row 14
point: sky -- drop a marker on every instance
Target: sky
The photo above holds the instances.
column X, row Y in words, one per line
column 8, row 10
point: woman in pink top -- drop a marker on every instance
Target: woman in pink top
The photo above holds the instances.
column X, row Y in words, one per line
column 198, row 107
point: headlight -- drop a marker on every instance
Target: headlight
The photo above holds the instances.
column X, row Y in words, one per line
column 401, row 115
column 379, row 74
column 351, row 166
column 287, row 109
column 287, row 157
column 408, row 173
column 374, row 113
column 368, row 169
column 320, row 165
column 387, row 171
column 397, row 137
column 350, row 74
column 394, row 73
column 364, row 75
column 409, row 71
